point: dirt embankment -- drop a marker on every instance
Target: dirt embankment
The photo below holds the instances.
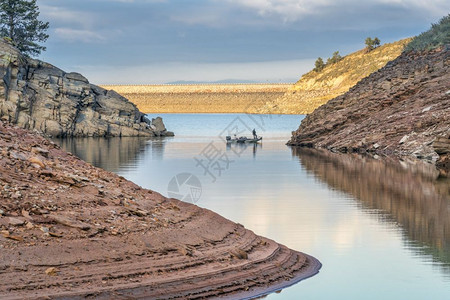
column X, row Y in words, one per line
column 70, row 230
column 207, row 98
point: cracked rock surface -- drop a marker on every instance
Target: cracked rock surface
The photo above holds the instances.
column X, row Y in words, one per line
column 36, row 95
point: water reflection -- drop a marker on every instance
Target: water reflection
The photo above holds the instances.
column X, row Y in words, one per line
column 113, row 154
column 407, row 192
column 239, row 148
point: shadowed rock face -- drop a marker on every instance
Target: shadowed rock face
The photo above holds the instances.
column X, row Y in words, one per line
column 407, row 191
column 37, row 95
column 400, row 109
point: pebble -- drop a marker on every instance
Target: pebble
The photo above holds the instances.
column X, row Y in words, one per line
column 404, row 138
column 52, row 271
column 39, row 150
column 15, row 221
column 37, row 161
column 17, row 155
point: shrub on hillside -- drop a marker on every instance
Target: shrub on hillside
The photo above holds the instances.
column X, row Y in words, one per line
column 335, row 58
column 372, row 43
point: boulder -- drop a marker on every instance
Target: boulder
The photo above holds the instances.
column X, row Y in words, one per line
column 159, row 128
column 158, row 124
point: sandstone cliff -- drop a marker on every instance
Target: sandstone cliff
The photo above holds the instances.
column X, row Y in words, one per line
column 403, row 109
column 37, row 95
column 316, row 88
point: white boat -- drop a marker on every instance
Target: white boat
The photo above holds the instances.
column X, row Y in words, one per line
column 243, row 139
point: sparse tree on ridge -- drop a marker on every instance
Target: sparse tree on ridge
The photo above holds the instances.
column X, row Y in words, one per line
column 19, row 23
column 319, row 65
column 376, row 42
column 335, row 58
column 372, row 43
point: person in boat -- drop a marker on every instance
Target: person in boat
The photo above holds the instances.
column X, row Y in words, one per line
column 254, row 134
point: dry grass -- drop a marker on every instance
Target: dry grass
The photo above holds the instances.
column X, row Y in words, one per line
column 316, row 88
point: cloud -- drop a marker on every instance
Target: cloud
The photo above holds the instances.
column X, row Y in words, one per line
column 58, row 14
column 78, row 35
column 133, row 1
column 210, row 18
column 208, row 36
column 294, row 10
column 288, row 10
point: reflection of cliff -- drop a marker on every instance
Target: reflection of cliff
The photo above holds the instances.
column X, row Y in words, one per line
column 107, row 153
column 407, row 191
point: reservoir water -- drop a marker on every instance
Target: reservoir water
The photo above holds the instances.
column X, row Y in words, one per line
column 380, row 227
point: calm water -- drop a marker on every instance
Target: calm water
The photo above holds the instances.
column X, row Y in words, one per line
column 380, row 228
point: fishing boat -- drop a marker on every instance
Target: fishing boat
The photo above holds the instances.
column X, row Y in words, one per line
column 243, row 139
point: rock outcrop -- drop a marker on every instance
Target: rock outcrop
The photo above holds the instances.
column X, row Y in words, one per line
column 70, row 230
column 159, row 128
column 401, row 109
column 37, row 95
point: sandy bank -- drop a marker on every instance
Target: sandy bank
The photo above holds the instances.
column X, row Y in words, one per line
column 70, row 230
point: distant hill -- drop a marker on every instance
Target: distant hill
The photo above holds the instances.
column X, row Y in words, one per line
column 316, row 88
column 224, row 81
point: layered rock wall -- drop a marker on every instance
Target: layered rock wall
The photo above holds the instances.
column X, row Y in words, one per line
column 401, row 109
column 37, row 95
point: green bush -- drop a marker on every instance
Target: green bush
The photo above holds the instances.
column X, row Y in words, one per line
column 334, row 59
column 438, row 35
column 372, row 44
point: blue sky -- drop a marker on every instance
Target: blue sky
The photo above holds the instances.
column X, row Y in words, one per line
column 158, row 41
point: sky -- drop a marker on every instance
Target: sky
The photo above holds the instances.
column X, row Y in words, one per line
column 161, row 41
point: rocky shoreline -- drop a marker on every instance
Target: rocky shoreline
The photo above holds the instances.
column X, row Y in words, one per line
column 403, row 109
column 70, row 230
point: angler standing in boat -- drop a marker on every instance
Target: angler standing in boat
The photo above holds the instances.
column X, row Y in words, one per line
column 254, row 134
